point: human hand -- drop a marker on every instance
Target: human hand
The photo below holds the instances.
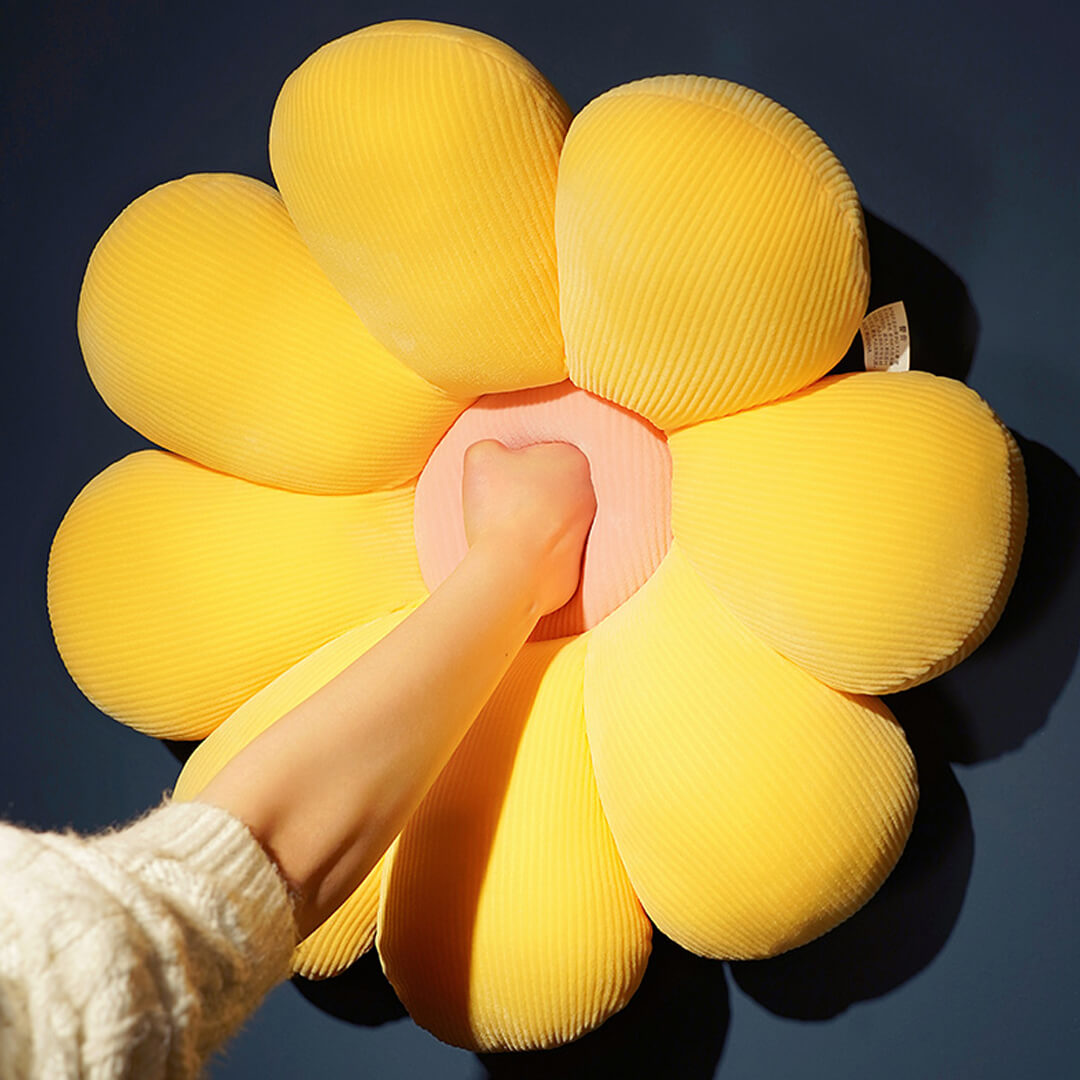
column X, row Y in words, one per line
column 535, row 504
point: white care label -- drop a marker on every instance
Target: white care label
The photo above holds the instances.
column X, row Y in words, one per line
column 885, row 338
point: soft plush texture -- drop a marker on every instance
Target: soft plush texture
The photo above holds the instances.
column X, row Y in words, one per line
column 704, row 758
column 137, row 952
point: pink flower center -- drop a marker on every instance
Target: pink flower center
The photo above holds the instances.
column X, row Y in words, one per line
column 631, row 474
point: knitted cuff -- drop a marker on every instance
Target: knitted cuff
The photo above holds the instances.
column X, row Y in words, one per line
column 137, row 952
column 217, row 848
column 231, row 909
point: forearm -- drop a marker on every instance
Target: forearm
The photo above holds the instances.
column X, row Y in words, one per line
column 328, row 787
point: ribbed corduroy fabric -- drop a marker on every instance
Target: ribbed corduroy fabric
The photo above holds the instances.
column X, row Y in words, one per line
column 177, row 592
column 506, row 919
column 711, row 250
column 209, row 328
column 868, row 528
column 350, row 931
column 754, row 807
column 418, row 161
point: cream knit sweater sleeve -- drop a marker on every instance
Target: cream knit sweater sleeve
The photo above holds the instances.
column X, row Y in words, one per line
column 135, row 953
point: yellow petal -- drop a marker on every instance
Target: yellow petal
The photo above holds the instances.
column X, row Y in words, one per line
column 506, row 919
column 350, row 931
column 868, row 528
column 712, row 253
column 208, row 327
column 418, row 161
column 754, row 807
column 177, row 592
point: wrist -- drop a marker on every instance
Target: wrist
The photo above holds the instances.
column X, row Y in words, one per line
column 515, row 565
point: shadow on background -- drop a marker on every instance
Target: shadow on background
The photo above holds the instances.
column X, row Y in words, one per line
column 1004, row 691
column 988, row 705
column 907, row 922
column 985, row 707
column 359, row 995
column 674, row 1026
column 181, row 749
column 944, row 325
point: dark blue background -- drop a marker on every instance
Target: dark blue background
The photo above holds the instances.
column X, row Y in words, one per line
column 958, row 125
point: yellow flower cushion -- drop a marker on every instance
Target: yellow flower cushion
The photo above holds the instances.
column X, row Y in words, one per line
column 705, row 757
